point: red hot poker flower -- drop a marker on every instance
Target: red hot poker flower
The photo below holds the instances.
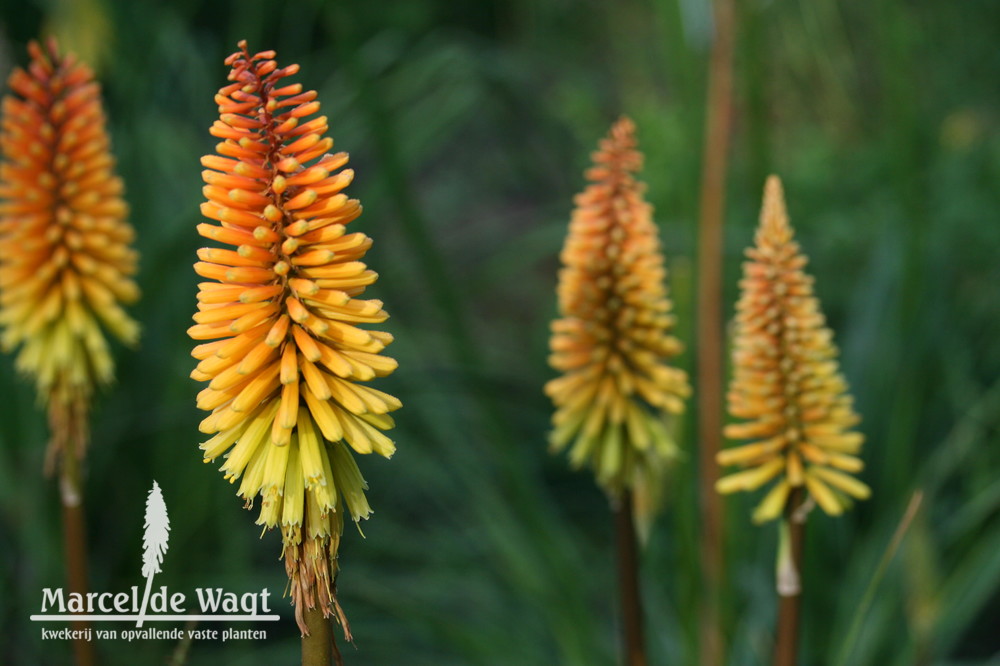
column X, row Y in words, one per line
column 288, row 357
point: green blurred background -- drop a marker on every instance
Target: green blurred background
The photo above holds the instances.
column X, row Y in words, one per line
column 469, row 126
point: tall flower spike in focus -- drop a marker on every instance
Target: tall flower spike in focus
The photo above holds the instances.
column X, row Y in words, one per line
column 286, row 357
column 786, row 384
column 612, row 340
column 65, row 258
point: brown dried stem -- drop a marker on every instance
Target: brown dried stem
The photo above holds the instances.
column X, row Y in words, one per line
column 75, row 544
column 633, row 642
column 710, row 347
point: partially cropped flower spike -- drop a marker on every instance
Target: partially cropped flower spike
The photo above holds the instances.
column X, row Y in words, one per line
column 786, row 385
column 612, row 340
column 286, row 357
column 66, row 264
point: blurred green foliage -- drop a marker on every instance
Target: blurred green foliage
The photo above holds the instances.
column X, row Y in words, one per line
column 469, row 125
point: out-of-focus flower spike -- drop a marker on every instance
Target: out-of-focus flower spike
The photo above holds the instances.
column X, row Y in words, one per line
column 786, row 386
column 612, row 341
column 66, row 264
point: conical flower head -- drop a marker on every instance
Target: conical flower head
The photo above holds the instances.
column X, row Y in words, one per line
column 786, row 384
column 65, row 258
column 287, row 357
column 612, row 339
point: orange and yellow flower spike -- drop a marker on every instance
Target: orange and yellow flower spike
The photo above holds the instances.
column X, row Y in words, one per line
column 786, row 385
column 285, row 356
column 612, row 339
column 66, row 264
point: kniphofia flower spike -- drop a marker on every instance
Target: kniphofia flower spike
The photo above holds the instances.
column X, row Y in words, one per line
column 786, row 385
column 612, row 339
column 66, row 264
column 287, row 357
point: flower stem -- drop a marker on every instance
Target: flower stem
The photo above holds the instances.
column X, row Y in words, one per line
column 75, row 543
column 317, row 645
column 633, row 644
column 789, row 582
column 710, row 347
